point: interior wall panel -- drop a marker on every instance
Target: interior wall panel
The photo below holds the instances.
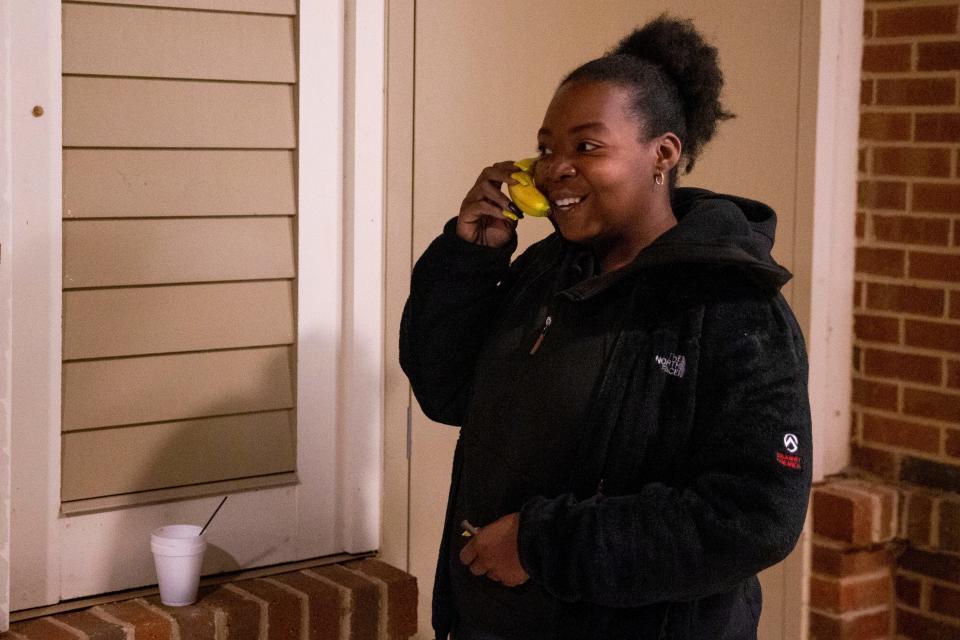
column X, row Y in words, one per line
column 130, row 112
column 165, row 43
column 103, row 253
column 280, row 7
column 123, row 183
column 126, row 391
column 100, row 323
column 177, row 453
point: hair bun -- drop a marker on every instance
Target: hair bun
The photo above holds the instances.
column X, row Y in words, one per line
column 691, row 63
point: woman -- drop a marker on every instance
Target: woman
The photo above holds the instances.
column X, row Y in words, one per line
column 635, row 441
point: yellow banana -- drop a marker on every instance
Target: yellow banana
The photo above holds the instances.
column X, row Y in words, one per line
column 525, row 194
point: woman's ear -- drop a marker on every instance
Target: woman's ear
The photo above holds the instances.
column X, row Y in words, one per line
column 669, row 149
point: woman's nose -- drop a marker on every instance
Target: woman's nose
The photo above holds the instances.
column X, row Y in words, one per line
column 554, row 168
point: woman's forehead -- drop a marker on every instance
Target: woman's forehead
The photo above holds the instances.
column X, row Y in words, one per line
column 579, row 105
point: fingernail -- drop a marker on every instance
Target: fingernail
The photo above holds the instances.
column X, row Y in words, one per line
column 515, row 209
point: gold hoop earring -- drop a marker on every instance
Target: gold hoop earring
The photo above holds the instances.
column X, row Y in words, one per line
column 658, row 178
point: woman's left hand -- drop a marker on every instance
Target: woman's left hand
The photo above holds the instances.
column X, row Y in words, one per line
column 493, row 552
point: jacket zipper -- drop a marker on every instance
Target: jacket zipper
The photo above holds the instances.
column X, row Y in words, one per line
column 543, row 334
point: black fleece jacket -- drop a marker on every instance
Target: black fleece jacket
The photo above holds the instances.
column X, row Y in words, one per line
column 698, row 432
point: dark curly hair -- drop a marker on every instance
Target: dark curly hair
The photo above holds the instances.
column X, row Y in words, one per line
column 675, row 79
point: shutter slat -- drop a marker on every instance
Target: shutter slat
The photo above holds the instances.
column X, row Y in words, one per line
column 102, row 393
column 102, row 323
column 126, row 183
column 105, row 253
column 127, row 112
column 174, row 454
column 281, row 7
column 160, row 43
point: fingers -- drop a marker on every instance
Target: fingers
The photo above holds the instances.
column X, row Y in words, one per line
column 485, row 197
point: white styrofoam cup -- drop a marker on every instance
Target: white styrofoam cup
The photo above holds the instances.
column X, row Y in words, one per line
column 178, row 555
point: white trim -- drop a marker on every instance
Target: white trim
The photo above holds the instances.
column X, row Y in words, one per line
column 319, row 257
column 35, row 252
column 363, row 253
column 834, row 242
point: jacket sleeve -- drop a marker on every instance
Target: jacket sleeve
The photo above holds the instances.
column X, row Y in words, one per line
column 455, row 290
column 742, row 504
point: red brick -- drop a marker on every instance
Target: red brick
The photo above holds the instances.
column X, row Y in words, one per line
column 911, row 161
column 916, row 21
column 861, row 224
column 900, row 433
column 241, row 615
column 876, row 328
column 937, row 198
column 943, row 566
column 96, row 628
column 867, row 24
column 903, row 366
column 955, row 305
column 284, row 609
column 918, row 627
column 930, row 473
column 950, row 525
column 886, row 57
column 953, row 374
column 911, row 229
column 937, row 127
column 884, row 126
column 908, row 591
column 365, row 597
column 946, row 601
column 850, row 594
column 858, row 295
column 880, row 262
column 42, row 629
column 935, row 266
column 907, row 299
column 882, row 195
column 916, row 91
column 325, row 604
column 953, row 443
column 193, row 621
column 918, row 518
column 933, row 335
column 869, row 625
column 932, row 404
column 880, row 463
column 401, row 595
column 854, row 512
column 149, row 624
column 866, row 91
column 938, row 56
column 842, row 562
column 875, row 394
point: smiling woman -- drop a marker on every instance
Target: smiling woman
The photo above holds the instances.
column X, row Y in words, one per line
column 641, row 488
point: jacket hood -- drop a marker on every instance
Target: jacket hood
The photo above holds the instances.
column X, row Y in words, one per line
column 719, row 230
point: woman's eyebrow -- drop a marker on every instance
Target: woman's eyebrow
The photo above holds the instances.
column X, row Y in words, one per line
column 599, row 126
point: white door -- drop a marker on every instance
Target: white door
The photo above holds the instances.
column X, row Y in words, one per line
column 332, row 505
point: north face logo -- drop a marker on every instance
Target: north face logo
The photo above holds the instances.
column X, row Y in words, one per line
column 672, row 364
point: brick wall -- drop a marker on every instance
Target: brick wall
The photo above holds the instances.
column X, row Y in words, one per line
column 359, row 600
column 906, row 360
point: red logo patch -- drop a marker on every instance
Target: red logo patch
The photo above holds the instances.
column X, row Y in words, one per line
column 791, row 462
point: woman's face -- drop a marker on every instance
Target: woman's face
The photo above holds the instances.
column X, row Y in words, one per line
column 596, row 171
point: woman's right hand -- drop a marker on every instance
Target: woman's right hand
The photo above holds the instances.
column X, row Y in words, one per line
column 481, row 220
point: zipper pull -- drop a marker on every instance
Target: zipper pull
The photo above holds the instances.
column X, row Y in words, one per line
column 543, row 332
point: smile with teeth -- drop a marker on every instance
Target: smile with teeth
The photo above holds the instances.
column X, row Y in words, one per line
column 566, row 202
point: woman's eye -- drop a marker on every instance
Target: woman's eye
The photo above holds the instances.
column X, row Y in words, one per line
column 586, row 147
column 543, row 151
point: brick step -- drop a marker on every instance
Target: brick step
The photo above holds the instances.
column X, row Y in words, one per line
column 359, row 600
